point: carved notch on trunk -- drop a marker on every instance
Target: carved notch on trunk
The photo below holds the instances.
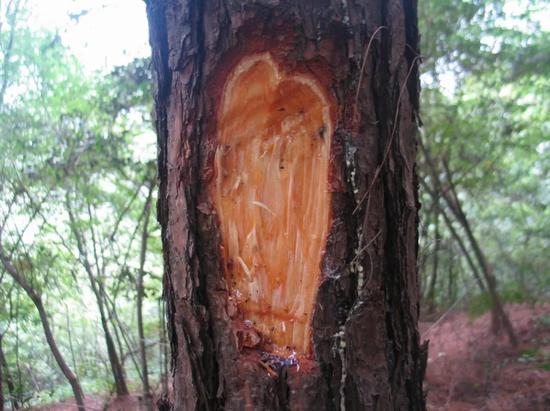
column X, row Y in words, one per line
column 271, row 195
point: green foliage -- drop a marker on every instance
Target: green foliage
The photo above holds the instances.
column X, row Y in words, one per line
column 73, row 146
column 479, row 305
column 79, row 142
column 510, row 292
column 486, row 124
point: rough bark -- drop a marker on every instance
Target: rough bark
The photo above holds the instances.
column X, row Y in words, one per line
column 366, row 347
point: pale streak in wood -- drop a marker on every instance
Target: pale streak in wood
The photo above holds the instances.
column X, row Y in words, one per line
column 271, row 195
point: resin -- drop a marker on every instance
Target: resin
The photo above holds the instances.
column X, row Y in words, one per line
column 271, row 196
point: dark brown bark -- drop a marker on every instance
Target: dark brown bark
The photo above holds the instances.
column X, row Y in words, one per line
column 366, row 346
column 37, row 300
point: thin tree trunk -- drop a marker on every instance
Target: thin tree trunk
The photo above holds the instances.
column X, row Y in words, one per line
column 433, row 279
column 116, row 367
column 140, row 294
column 70, row 337
column 99, row 292
column 2, row 401
column 122, row 335
column 342, row 76
column 451, row 283
column 459, row 241
column 118, row 329
column 114, row 361
column 423, row 252
column 5, row 375
column 163, row 352
column 35, row 298
column 456, row 207
column 17, row 362
column 453, row 203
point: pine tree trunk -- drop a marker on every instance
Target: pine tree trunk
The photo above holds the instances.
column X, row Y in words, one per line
column 288, row 202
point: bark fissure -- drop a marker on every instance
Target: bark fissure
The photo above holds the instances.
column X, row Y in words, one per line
column 365, row 351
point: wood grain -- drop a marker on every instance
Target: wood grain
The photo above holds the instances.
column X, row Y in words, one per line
column 271, row 196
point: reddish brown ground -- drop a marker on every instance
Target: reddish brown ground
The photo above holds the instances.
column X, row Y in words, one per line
column 469, row 369
column 98, row 403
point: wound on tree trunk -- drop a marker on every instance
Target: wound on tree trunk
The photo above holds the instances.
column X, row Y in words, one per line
column 273, row 141
column 288, row 205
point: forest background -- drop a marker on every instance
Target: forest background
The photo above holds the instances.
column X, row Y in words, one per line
column 79, row 243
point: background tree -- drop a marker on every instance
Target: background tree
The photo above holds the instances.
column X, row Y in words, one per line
column 68, row 131
column 76, row 179
column 483, row 110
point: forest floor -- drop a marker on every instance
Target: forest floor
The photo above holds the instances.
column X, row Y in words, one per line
column 468, row 368
column 132, row 402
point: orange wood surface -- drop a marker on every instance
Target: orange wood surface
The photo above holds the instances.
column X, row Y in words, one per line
column 271, row 196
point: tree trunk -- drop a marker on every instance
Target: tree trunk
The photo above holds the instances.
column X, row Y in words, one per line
column 71, row 377
column 35, row 298
column 457, row 238
column 435, row 260
column 451, row 284
column 5, row 375
column 147, row 397
column 96, row 283
column 2, row 366
column 114, row 361
column 499, row 315
column 288, row 202
column 163, row 348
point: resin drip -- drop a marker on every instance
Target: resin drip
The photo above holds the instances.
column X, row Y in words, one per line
column 271, row 196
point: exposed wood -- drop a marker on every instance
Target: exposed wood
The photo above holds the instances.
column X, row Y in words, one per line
column 364, row 352
column 274, row 135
